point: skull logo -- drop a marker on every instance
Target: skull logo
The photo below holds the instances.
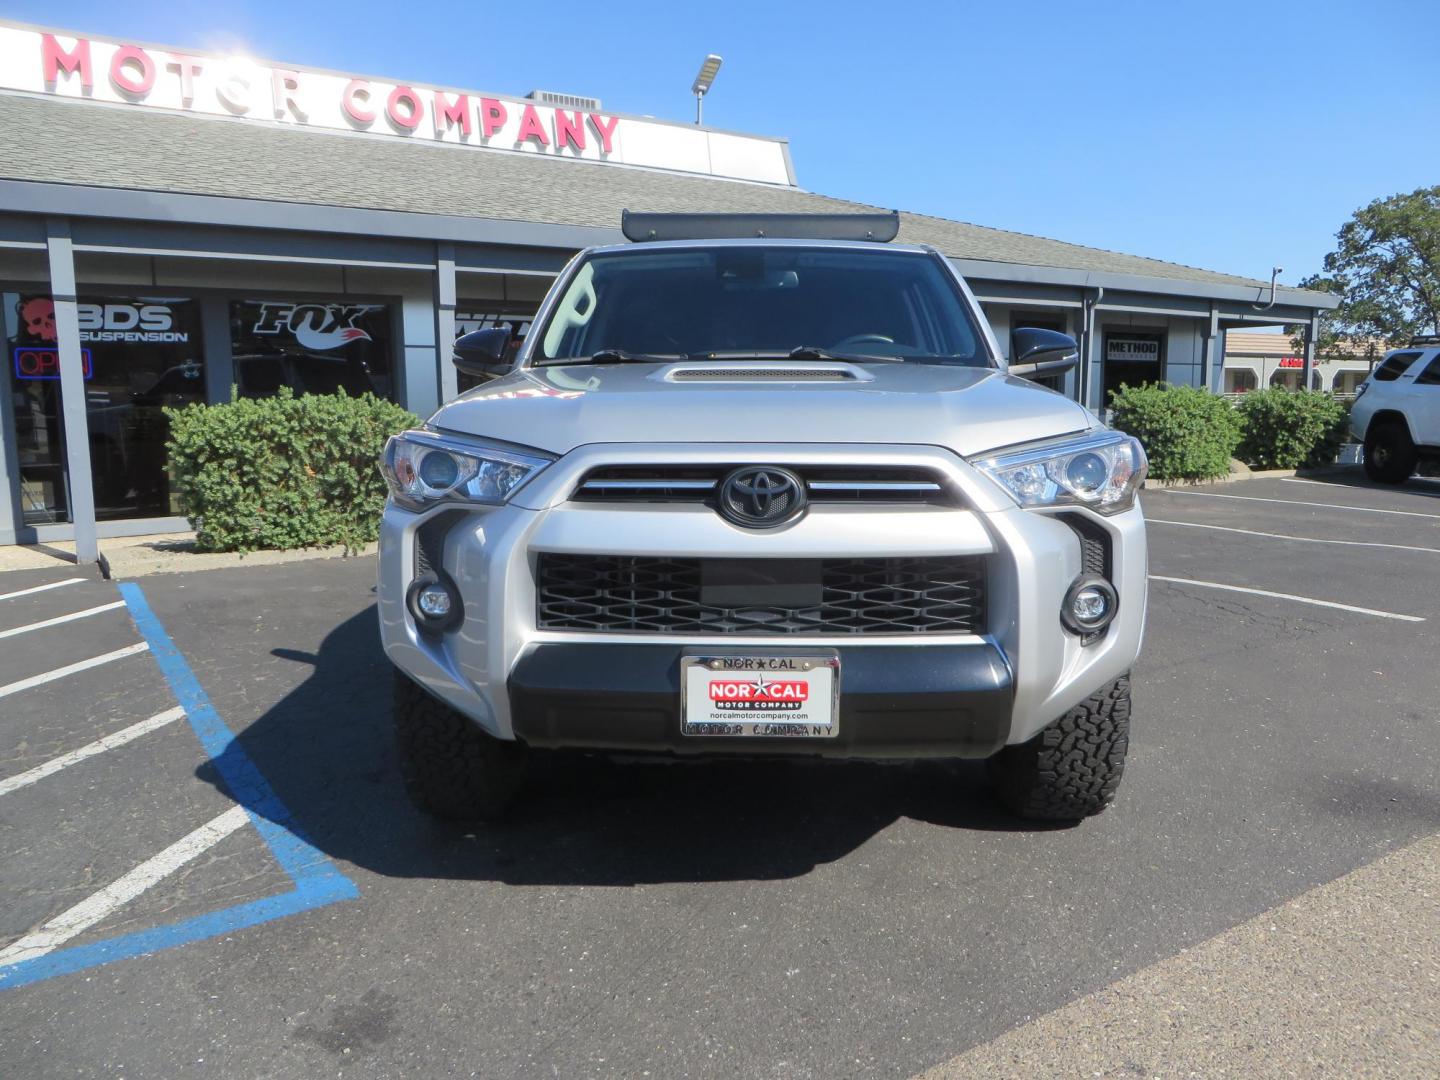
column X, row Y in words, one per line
column 38, row 312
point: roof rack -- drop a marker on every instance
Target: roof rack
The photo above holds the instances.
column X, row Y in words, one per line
column 1425, row 339
column 881, row 228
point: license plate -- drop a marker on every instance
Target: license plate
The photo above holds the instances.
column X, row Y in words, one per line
column 766, row 697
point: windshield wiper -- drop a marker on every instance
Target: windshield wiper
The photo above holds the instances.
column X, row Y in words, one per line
column 806, row 352
column 616, row 356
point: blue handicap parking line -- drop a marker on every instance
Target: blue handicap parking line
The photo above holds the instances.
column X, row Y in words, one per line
column 317, row 880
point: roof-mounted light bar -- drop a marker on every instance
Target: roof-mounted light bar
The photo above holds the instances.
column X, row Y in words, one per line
column 880, row 228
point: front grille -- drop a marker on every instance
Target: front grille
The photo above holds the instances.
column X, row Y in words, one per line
column 648, row 594
column 823, row 484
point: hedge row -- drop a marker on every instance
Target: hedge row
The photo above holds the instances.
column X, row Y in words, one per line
column 284, row 471
column 1191, row 434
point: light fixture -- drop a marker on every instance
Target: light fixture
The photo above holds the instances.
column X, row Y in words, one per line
column 1089, row 606
column 703, row 82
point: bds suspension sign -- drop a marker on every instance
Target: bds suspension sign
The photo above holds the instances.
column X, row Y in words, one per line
column 67, row 65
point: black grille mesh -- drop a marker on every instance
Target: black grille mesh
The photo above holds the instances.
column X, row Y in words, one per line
column 645, row 594
column 1094, row 544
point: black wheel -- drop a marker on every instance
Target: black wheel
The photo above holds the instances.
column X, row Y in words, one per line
column 1389, row 453
column 1071, row 769
column 452, row 769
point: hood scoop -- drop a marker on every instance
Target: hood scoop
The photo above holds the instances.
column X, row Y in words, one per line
column 750, row 371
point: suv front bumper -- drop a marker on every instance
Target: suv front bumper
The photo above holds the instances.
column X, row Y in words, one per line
column 896, row 701
column 909, row 695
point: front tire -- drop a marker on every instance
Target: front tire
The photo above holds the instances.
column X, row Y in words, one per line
column 1072, row 769
column 1389, row 453
column 452, row 770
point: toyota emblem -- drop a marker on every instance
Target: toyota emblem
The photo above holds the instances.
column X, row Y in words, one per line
column 761, row 497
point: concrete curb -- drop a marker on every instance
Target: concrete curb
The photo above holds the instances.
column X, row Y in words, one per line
column 162, row 553
column 160, row 557
column 1256, row 474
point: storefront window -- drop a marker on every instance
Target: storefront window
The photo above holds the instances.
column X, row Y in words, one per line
column 139, row 355
column 1240, row 380
column 311, row 346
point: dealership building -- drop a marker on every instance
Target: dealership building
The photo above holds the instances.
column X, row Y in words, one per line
column 175, row 224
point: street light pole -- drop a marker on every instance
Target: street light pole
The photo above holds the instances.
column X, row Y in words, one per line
column 703, row 81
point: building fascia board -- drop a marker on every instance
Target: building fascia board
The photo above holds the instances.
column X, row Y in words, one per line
column 73, row 200
column 985, row 270
column 31, row 197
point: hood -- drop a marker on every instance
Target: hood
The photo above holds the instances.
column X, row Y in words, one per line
column 968, row 410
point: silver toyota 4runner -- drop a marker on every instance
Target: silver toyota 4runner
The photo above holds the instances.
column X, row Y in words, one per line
column 763, row 485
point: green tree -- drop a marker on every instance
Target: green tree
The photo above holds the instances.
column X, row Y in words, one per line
column 1386, row 271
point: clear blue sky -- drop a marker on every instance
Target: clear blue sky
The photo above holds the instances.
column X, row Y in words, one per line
column 1227, row 135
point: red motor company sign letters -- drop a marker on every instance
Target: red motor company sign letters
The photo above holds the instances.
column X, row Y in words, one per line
column 52, row 63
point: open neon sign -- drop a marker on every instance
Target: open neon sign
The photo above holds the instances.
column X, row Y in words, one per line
column 43, row 362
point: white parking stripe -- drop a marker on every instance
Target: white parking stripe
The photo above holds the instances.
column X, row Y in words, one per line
column 1288, row 596
column 1330, row 484
column 71, row 669
column 62, row 619
column 1286, row 536
column 89, row 750
column 1295, row 502
column 41, row 588
column 99, row 905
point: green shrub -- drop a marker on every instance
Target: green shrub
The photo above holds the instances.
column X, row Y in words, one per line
column 282, row 472
column 1188, row 433
column 1285, row 429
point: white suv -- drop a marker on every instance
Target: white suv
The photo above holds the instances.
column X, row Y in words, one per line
column 756, row 490
column 1396, row 413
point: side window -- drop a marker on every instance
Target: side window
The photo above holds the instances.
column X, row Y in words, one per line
column 1394, row 366
column 1431, row 375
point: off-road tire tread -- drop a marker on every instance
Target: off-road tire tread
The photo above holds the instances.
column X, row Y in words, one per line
column 452, row 770
column 1072, row 769
column 1402, row 462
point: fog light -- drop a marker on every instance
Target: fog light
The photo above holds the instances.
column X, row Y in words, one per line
column 433, row 601
column 435, row 604
column 1089, row 605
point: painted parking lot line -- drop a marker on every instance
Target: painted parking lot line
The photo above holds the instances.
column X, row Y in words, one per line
column 317, row 882
column 71, row 669
column 1396, row 490
column 89, row 750
column 41, row 588
column 1288, row 596
column 61, row 619
column 1297, row 502
column 1287, row 536
column 99, row 906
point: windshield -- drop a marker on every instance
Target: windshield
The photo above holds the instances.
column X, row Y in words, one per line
column 765, row 302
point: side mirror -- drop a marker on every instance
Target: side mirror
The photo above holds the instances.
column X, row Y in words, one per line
column 484, row 353
column 1041, row 352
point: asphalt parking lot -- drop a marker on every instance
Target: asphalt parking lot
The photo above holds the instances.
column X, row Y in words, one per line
column 635, row 920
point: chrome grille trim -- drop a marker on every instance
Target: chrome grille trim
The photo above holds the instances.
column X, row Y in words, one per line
column 875, row 484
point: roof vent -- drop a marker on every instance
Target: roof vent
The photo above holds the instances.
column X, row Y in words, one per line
column 564, row 101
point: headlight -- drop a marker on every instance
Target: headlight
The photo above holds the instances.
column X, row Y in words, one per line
column 1101, row 470
column 423, row 469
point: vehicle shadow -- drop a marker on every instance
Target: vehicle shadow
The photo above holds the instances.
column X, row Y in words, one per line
column 326, row 749
column 1354, row 477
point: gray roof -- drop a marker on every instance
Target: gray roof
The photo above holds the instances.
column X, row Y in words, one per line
column 51, row 140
